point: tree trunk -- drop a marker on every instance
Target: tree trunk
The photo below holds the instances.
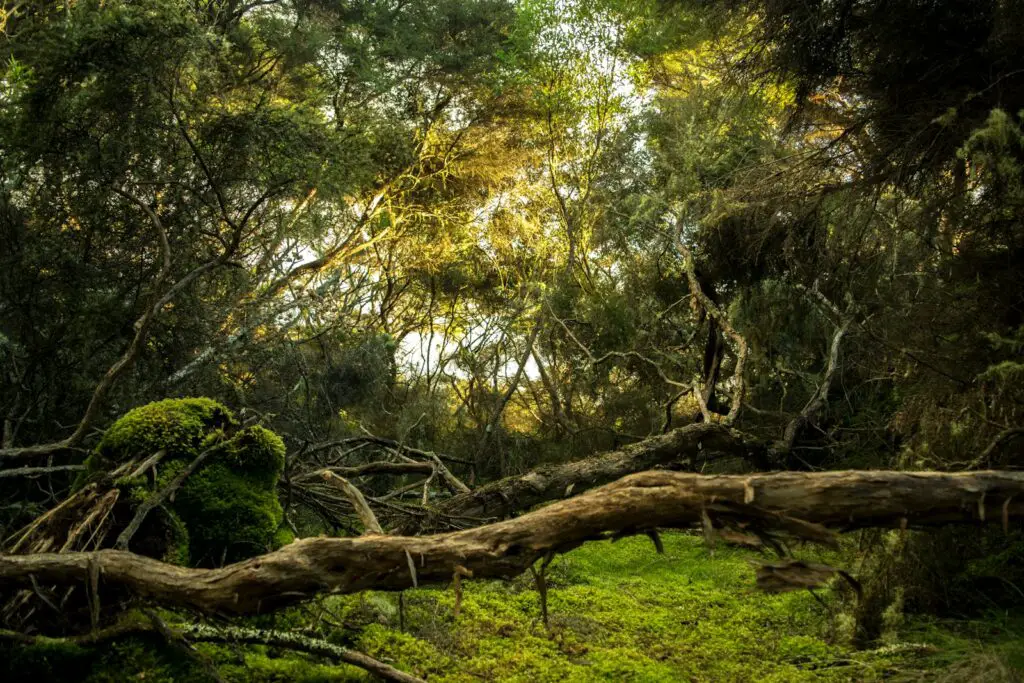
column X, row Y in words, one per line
column 797, row 504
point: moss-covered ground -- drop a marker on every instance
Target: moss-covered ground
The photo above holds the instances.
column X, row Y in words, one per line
column 618, row 612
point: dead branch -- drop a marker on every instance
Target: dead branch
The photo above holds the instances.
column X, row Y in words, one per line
column 224, row 634
column 1005, row 436
column 819, row 399
column 722, row 320
column 657, row 499
column 158, row 498
column 38, row 471
column 358, row 501
column 384, row 443
column 379, row 467
column 454, row 483
column 499, row 499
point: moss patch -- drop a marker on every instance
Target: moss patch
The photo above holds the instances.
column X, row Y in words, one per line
column 176, row 425
column 225, row 511
column 618, row 613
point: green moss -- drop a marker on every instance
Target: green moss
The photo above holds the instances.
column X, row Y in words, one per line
column 148, row 658
column 46, row 661
column 143, row 658
column 176, row 425
column 619, row 612
column 259, row 668
column 225, row 511
column 228, row 517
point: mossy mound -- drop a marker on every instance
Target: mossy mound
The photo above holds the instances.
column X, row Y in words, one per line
column 179, row 426
column 225, row 511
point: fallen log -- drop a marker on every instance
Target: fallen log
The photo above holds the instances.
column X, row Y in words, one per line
column 683, row 447
column 805, row 505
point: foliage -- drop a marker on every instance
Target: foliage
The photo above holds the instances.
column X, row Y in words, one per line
column 462, row 225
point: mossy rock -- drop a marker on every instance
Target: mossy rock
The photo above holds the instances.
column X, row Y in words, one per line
column 225, row 511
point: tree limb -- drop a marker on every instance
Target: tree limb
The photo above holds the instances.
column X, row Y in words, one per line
column 36, row 471
column 510, row 495
column 799, row 503
column 158, row 498
column 723, row 322
column 356, row 498
column 384, row 443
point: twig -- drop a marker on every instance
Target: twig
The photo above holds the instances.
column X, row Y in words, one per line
column 385, row 443
column 38, row 471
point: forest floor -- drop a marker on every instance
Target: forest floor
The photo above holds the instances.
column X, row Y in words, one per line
column 618, row 612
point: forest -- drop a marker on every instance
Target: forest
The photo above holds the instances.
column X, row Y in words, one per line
column 511, row 340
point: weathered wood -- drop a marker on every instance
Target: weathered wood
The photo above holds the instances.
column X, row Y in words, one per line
column 635, row 504
column 684, row 446
column 355, row 496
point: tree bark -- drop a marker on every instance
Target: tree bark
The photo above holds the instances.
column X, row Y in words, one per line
column 799, row 504
column 686, row 445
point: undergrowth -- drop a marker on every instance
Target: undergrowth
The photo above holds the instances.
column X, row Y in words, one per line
column 618, row 612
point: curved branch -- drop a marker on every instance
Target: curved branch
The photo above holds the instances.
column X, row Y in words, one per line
column 817, row 401
column 723, row 322
column 819, row 398
column 505, row 497
column 1005, row 436
column 356, row 498
column 124, row 362
column 800, row 504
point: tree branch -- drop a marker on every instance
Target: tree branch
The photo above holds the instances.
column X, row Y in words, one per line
column 723, row 322
column 505, row 497
column 800, row 504
column 358, row 501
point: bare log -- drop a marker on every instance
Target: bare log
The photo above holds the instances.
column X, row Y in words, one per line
column 499, row 499
column 801, row 503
